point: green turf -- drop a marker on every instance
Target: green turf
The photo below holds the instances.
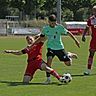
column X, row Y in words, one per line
column 12, row 68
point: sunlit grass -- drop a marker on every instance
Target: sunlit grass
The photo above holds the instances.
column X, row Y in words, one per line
column 12, row 69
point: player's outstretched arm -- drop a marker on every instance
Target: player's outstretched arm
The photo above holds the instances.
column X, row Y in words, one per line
column 15, row 52
column 74, row 38
column 38, row 40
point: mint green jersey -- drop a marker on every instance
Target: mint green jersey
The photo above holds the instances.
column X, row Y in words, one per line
column 54, row 36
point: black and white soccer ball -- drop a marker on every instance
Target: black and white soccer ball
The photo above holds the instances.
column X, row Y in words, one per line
column 67, row 78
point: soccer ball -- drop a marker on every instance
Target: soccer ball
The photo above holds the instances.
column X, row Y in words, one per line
column 66, row 78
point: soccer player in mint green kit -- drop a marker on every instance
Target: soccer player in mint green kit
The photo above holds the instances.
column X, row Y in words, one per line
column 55, row 47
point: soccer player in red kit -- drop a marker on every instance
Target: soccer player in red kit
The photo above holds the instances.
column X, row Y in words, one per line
column 34, row 60
column 91, row 24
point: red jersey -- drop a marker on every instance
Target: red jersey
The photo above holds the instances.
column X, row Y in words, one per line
column 34, row 58
column 92, row 23
column 35, row 52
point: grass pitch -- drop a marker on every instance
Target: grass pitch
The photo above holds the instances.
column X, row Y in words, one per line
column 12, row 69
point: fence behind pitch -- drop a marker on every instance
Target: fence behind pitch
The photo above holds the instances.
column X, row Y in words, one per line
column 8, row 27
column 3, row 27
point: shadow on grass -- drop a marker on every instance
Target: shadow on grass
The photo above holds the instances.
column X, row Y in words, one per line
column 80, row 75
column 10, row 83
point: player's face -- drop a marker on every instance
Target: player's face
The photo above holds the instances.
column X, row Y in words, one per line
column 94, row 11
column 52, row 23
column 30, row 40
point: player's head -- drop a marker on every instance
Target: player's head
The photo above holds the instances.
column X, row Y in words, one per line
column 29, row 39
column 94, row 10
column 52, row 20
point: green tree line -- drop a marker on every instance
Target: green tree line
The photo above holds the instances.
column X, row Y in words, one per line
column 77, row 10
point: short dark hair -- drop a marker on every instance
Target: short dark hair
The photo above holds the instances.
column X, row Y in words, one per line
column 52, row 17
column 27, row 36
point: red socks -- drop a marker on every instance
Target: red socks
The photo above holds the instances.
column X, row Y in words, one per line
column 55, row 74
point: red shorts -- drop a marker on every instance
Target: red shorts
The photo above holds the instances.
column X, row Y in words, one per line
column 32, row 67
column 93, row 45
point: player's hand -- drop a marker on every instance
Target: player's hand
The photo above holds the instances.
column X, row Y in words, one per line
column 83, row 38
column 77, row 43
column 8, row 51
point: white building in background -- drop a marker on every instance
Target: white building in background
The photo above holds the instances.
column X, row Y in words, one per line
column 76, row 27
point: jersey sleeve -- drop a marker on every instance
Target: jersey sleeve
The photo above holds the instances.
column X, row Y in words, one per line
column 63, row 30
column 25, row 50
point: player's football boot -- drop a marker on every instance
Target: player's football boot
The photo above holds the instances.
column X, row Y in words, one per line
column 72, row 55
column 47, row 82
column 61, row 79
column 87, row 72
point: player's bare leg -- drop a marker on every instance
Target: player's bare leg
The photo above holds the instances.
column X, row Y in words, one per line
column 49, row 61
column 44, row 67
column 90, row 62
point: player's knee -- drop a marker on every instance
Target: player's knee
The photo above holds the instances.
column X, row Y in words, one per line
column 49, row 61
column 43, row 66
column 91, row 53
column 26, row 79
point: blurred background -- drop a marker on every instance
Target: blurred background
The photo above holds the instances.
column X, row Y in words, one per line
column 30, row 16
